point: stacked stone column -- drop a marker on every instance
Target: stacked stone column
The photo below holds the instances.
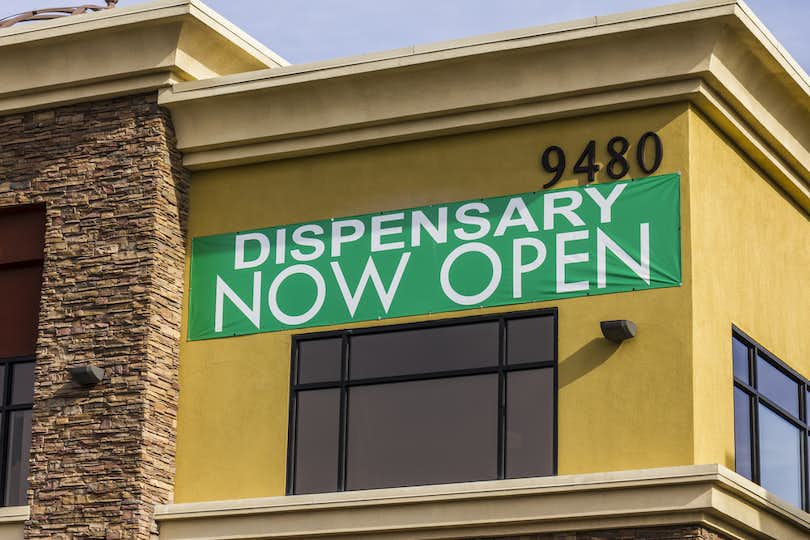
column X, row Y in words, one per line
column 116, row 205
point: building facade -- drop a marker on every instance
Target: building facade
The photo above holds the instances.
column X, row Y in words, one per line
column 550, row 283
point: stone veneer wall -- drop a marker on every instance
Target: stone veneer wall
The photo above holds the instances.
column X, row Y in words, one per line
column 116, row 205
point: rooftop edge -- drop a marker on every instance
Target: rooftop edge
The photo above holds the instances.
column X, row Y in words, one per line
column 510, row 39
column 140, row 13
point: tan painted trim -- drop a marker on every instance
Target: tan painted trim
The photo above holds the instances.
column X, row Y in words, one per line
column 12, row 522
column 223, row 26
column 433, row 127
column 122, row 50
column 695, row 91
column 67, row 26
column 680, row 53
column 350, row 99
column 707, row 494
column 14, row 514
column 769, row 41
column 590, row 27
column 88, row 92
column 140, row 14
column 758, row 114
column 456, row 49
column 756, row 147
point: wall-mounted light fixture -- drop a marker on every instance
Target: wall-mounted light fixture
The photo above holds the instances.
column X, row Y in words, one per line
column 618, row 331
column 86, row 375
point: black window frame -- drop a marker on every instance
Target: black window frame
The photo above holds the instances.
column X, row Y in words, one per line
column 756, row 398
column 501, row 369
column 8, row 363
column 6, row 409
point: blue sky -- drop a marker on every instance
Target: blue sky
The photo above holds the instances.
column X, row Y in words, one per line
column 304, row 31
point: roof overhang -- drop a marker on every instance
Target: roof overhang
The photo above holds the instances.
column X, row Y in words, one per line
column 121, row 51
column 714, row 54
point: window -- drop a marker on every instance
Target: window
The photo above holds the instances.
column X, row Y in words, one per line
column 21, row 253
column 447, row 401
column 771, row 431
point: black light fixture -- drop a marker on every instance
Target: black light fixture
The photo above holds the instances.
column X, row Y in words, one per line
column 86, row 375
column 619, row 330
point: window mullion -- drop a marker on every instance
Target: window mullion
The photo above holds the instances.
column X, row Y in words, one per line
column 4, row 433
column 502, row 399
column 474, row 380
column 803, row 406
column 344, row 408
column 753, row 404
column 292, row 426
column 805, row 488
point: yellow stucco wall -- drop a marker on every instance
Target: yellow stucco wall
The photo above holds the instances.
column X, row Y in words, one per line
column 751, row 253
column 619, row 408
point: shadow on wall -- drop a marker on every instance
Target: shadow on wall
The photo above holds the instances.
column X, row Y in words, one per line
column 586, row 359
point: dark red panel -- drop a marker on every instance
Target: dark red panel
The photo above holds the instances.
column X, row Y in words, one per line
column 19, row 309
column 22, row 234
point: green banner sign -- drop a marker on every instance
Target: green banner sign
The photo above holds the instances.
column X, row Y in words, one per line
column 546, row 245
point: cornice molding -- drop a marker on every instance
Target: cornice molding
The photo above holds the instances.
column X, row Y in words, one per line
column 12, row 522
column 705, row 494
column 121, row 51
column 713, row 54
column 310, row 143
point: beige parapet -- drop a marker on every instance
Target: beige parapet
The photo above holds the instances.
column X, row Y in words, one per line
column 710, row 496
column 121, row 51
column 714, row 54
column 233, row 101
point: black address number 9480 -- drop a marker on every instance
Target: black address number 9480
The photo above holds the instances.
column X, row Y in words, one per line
column 649, row 153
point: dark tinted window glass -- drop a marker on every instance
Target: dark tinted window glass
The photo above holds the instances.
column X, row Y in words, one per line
column 777, row 386
column 424, row 350
column 19, row 445
column 530, row 423
column 22, row 384
column 423, row 432
column 19, row 310
column 319, row 360
column 530, row 340
column 22, row 234
column 780, row 449
column 316, row 451
column 742, row 433
column 739, row 351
